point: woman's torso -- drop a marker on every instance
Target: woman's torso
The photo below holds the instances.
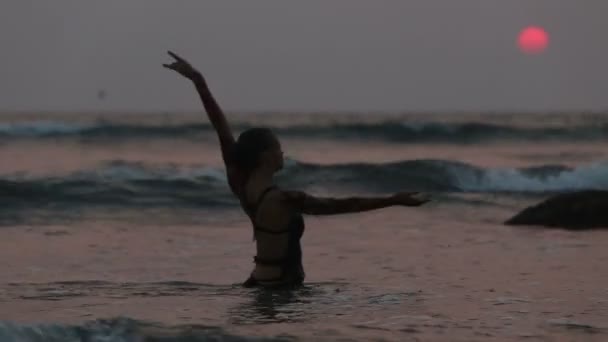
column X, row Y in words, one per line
column 277, row 231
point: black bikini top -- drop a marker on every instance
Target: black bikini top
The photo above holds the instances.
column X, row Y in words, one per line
column 295, row 230
column 253, row 213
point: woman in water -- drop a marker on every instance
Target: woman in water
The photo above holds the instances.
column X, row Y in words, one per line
column 276, row 214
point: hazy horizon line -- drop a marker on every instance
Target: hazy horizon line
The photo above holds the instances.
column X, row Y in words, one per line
column 306, row 112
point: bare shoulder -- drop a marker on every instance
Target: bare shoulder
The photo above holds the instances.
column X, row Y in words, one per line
column 293, row 195
column 287, row 194
column 278, row 199
column 300, row 199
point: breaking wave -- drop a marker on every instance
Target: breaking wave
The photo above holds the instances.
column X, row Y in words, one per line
column 138, row 184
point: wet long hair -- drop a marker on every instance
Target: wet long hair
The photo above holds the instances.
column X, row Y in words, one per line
column 247, row 152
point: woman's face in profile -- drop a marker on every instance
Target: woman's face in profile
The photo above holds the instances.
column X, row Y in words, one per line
column 277, row 153
column 274, row 155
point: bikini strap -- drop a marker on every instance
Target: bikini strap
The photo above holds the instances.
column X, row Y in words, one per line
column 258, row 228
column 261, row 198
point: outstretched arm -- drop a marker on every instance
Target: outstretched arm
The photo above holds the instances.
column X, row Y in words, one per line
column 307, row 204
column 214, row 111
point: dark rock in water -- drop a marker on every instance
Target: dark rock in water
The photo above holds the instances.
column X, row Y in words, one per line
column 577, row 210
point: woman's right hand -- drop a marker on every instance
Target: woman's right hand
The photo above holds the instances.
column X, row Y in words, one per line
column 182, row 67
column 410, row 199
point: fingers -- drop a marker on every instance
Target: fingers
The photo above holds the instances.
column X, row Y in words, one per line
column 175, row 56
column 171, row 66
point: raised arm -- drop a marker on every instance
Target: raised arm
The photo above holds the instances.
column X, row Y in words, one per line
column 307, row 204
column 216, row 116
column 214, row 112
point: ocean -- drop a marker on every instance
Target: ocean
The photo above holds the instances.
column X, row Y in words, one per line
column 121, row 227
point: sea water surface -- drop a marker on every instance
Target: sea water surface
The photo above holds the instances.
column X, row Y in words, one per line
column 121, row 227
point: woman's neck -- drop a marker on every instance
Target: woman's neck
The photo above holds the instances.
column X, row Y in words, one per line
column 260, row 179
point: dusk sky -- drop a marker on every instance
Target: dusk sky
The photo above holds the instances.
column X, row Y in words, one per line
column 316, row 55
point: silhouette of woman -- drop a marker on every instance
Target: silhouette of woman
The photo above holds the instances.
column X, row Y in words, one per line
column 276, row 214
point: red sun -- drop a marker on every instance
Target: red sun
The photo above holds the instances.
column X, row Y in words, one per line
column 533, row 40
